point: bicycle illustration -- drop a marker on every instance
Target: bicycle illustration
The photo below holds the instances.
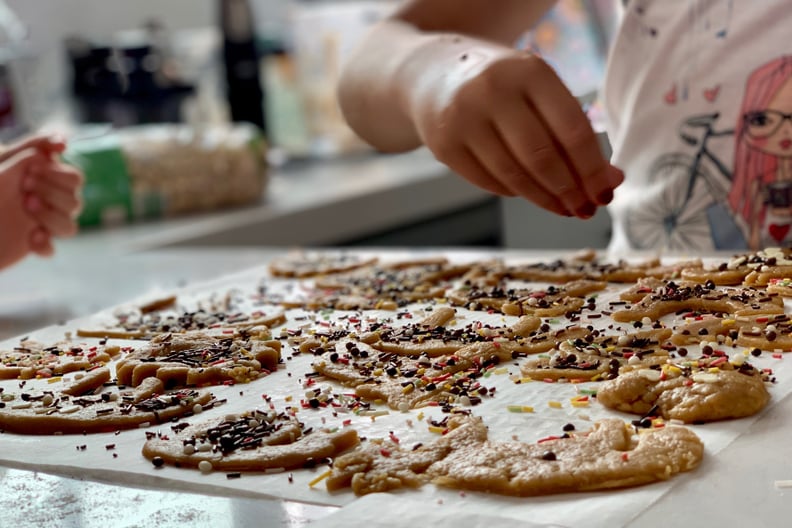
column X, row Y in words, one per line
column 686, row 195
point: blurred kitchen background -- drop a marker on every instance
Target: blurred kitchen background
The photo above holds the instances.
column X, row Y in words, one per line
column 214, row 123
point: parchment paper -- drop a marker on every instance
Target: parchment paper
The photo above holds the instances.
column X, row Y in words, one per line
column 61, row 455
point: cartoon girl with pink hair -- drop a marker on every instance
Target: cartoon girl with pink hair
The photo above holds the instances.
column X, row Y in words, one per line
column 761, row 193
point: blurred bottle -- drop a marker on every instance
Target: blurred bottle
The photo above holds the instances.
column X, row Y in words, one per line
column 241, row 60
column 12, row 40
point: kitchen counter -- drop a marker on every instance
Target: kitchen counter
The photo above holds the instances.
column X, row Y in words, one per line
column 737, row 487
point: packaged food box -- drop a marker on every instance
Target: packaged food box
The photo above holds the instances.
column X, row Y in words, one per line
column 157, row 171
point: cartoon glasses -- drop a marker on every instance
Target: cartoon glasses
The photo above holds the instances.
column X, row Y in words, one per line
column 764, row 123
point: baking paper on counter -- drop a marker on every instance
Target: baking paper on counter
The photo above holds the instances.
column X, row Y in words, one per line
column 66, row 455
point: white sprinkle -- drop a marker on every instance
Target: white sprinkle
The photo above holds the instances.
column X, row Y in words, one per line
column 144, row 425
column 253, row 423
column 634, row 360
column 651, row 375
column 783, row 484
column 374, row 413
column 231, row 418
column 205, row 466
column 647, row 321
column 189, row 449
column 623, row 340
column 23, row 405
column 197, row 408
column 270, row 471
column 204, row 447
column 404, row 406
column 46, row 401
column 705, row 377
column 464, row 401
column 737, row 359
column 70, row 409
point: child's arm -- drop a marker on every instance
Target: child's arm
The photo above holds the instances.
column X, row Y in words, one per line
column 443, row 73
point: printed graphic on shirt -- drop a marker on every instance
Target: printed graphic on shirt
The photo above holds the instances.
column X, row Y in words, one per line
column 761, row 192
column 696, row 199
column 688, row 192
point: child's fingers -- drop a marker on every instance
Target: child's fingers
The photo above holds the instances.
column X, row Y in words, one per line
column 56, row 222
column 60, row 175
column 46, row 143
column 40, row 193
column 41, row 243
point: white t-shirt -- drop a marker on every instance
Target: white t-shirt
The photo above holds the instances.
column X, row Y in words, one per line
column 698, row 98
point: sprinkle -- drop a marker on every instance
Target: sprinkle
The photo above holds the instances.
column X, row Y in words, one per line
column 319, row 479
column 234, row 475
column 373, row 413
column 705, row 377
column 782, row 484
column 721, row 360
column 651, row 375
column 520, row 409
column 778, row 356
column 554, row 404
column 436, row 430
column 625, row 457
column 205, row 466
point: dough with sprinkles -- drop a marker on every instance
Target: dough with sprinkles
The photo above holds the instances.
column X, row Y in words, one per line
column 609, row 456
column 30, row 359
column 102, row 409
column 251, row 441
column 197, row 359
column 692, row 391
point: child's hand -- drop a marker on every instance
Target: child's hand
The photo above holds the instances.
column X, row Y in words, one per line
column 504, row 120
column 48, row 190
column 52, row 197
column 17, row 227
